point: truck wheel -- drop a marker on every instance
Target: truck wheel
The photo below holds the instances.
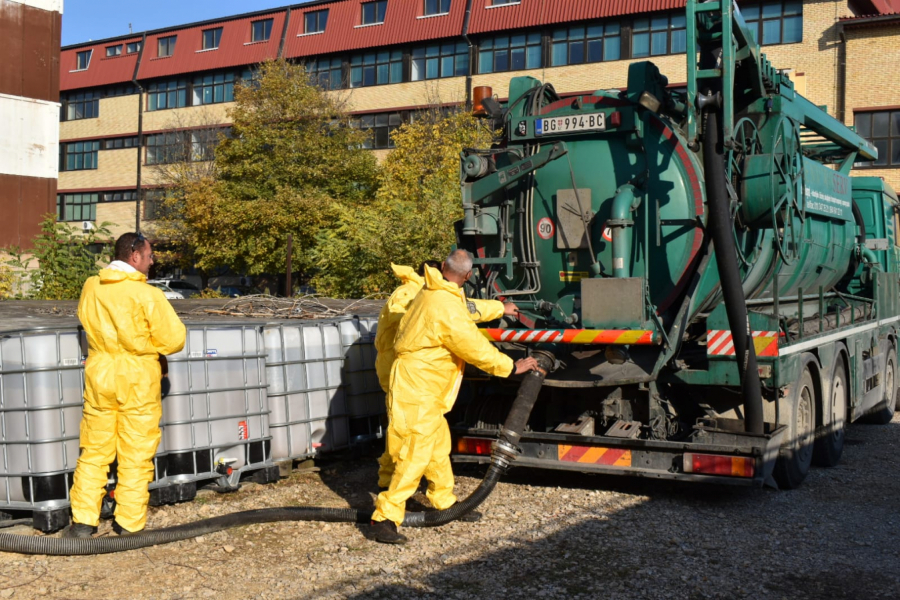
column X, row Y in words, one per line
column 884, row 412
column 795, row 455
column 829, row 444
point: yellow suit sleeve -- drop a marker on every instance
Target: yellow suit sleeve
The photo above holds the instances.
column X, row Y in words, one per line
column 167, row 332
column 486, row 310
column 462, row 338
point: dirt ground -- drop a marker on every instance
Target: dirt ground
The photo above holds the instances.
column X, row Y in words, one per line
column 544, row 535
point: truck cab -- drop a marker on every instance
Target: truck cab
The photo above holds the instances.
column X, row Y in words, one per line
column 879, row 206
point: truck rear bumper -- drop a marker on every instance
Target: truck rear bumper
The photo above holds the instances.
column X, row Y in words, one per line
column 713, row 455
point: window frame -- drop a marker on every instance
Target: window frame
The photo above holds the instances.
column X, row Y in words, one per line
column 62, row 204
column 490, row 44
column 83, row 57
column 119, row 143
column 368, row 122
column 180, row 92
column 114, row 48
column 420, row 59
column 653, row 30
column 889, row 134
column 320, row 23
column 132, row 47
column 375, row 5
column 169, row 41
column 438, row 4
column 316, row 68
column 216, row 35
column 586, row 39
column 69, row 106
column 394, row 62
column 87, row 150
column 755, row 19
column 267, row 25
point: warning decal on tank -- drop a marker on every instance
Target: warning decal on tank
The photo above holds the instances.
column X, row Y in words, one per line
column 572, row 275
column 243, row 432
column 607, row 233
column 595, row 455
column 546, row 228
column 719, row 342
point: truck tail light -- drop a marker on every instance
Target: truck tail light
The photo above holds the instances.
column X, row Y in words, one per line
column 478, row 446
column 717, row 464
column 615, row 119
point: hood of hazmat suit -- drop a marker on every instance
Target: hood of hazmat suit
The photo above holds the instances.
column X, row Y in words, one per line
column 129, row 324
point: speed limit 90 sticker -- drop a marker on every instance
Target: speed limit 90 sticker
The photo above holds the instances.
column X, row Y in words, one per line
column 546, row 228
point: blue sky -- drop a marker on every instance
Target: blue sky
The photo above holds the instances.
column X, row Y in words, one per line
column 85, row 20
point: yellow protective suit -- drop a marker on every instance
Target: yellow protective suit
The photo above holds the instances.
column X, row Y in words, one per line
column 389, row 318
column 435, row 339
column 128, row 325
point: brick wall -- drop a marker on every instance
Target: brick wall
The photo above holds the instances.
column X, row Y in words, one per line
column 118, row 116
column 115, row 169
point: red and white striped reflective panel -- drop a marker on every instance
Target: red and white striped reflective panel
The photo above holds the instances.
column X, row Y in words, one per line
column 720, row 343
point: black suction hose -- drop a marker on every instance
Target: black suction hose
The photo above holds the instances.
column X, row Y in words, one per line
column 505, row 452
column 721, row 231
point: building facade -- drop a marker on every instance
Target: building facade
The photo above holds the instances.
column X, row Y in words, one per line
column 29, row 109
column 133, row 103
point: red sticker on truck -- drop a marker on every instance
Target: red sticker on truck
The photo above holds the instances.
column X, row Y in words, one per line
column 243, row 432
column 607, row 232
column 546, row 228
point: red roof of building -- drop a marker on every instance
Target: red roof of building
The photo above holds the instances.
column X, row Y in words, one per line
column 529, row 13
column 102, row 70
column 235, row 48
column 404, row 22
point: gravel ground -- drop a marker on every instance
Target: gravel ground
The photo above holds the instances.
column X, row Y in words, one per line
column 544, row 535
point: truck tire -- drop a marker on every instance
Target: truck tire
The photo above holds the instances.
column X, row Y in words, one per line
column 829, row 444
column 884, row 412
column 795, row 455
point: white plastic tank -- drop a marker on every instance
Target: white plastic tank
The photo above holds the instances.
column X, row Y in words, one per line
column 216, row 414
column 309, row 413
column 41, row 388
column 365, row 399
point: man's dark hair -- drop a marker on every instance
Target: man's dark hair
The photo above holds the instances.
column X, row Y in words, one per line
column 127, row 244
column 434, row 264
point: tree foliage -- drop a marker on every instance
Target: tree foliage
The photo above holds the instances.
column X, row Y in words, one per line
column 412, row 218
column 289, row 166
column 64, row 260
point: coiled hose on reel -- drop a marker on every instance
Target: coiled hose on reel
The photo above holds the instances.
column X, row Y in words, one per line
column 504, row 453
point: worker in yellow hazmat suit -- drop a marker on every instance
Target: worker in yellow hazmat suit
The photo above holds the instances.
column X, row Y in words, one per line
column 129, row 324
column 435, row 339
column 480, row 311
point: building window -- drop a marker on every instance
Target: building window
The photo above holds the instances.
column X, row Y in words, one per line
column 120, row 90
column 132, row 47
column 580, row 44
column 79, row 156
column 83, row 60
column 662, row 34
column 76, row 207
column 260, row 31
column 315, row 21
column 779, row 22
column 166, row 46
column 882, row 128
column 437, row 7
column 373, row 12
column 114, row 50
column 502, row 2
column 154, row 204
column 376, row 68
column 119, row 143
column 380, row 128
column 445, row 60
column 509, row 53
column 118, row 196
column 204, row 142
column 167, row 94
column 167, row 148
column 213, row 89
column 83, row 105
column 211, row 38
column 326, row 73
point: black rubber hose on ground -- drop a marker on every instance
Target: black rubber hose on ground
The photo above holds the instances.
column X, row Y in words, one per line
column 504, row 453
column 721, row 230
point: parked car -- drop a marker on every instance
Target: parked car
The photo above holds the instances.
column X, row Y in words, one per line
column 185, row 288
column 167, row 291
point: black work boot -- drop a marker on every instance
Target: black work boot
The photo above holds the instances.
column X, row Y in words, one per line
column 473, row 516
column 386, row 532
column 79, row 530
column 121, row 530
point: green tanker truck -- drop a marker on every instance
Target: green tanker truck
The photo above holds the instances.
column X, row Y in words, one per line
column 720, row 297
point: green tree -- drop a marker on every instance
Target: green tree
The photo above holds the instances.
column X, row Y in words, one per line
column 416, row 205
column 290, row 166
column 65, row 259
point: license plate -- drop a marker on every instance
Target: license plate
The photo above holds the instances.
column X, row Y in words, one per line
column 571, row 124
